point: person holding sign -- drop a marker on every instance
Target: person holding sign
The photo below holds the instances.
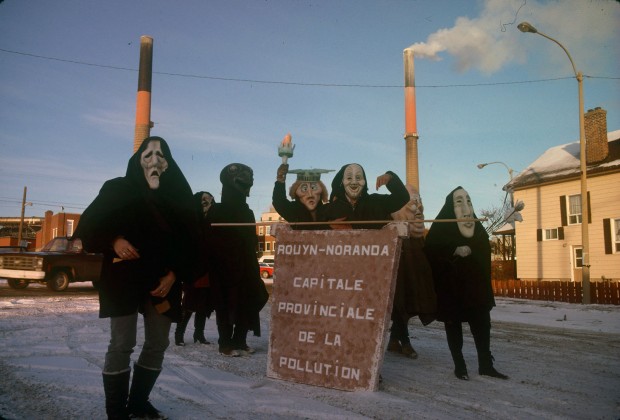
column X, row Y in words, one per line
column 350, row 201
column 415, row 293
column 308, row 194
column 239, row 292
column 460, row 257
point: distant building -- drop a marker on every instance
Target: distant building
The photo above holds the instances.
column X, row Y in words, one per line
column 548, row 240
column 266, row 242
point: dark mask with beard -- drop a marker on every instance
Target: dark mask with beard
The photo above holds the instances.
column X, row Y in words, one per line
column 237, row 180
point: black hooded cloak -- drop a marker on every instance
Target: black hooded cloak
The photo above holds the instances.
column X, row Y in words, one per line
column 238, row 290
column 161, row 224
column 368, row 206
column 463, row 285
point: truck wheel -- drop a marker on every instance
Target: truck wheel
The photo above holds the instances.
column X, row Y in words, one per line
column 17, row 283
column 58, row 282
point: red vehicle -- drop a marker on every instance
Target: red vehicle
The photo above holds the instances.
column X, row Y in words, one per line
column 266, row 270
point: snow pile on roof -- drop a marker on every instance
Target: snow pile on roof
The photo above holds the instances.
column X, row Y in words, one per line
column 563, row 161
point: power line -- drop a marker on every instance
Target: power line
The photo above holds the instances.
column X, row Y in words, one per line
column 277, row 82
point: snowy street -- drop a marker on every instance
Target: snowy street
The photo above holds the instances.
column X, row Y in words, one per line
column 563, row 362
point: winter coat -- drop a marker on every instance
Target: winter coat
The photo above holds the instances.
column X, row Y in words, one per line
column 234, row 272
column 161, row 224
column 415, row 292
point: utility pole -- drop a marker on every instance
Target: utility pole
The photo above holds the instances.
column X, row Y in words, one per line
column 21, row 220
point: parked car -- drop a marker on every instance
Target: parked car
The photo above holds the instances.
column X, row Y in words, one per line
column 60, row 262
column 266, row 270
column 267, row 259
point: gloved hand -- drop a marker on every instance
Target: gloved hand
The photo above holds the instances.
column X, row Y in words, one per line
column 462, row 251
column 282, row 171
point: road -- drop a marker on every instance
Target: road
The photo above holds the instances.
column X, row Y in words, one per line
column 53, row 347
column 35, row 289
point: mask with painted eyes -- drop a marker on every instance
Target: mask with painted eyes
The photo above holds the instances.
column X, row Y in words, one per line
column 463, row 209
column 206, row 200
column 353, row 181
column 153, row 163
column 309, row 194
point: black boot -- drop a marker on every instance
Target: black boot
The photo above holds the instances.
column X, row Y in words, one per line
column 481, row 330
column 454, row 334
column 179, row 333
column 116, row 387
column 141, row 386
column 200, row 319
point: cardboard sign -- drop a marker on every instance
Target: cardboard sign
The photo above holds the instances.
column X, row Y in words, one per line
column 331, row 305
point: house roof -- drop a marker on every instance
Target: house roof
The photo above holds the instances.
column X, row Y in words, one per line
column 562, row 162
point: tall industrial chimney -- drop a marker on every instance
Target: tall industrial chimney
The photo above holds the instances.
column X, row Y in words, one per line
column 143, row 106
column 411, row 131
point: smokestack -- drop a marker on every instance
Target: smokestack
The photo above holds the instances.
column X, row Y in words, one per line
column 143, row 105
column 411, row 131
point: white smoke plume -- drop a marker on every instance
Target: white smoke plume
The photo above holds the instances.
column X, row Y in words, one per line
column 492, row 40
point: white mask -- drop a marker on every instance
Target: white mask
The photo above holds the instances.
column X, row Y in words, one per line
column 463, row 209
column 153, row 163
column 353, row 181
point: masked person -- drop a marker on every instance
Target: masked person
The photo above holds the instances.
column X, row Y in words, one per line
column 460, row 257
column 350, row 201
column 239, row 292
column 308, row 194
column 145, row 226
column 415, row 292
column 196, row 295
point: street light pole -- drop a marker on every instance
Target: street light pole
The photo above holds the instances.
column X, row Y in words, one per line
column 510, row 173
column 585, row 245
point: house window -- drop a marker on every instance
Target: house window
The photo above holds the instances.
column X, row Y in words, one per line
column 267, row 230
column 551, row 234
column 578, row 258
column 70, row 227
column 54, row 232
column 260, row 246
column 616, row 235
column 261, row 231
column 574, row 209
column 268, row 245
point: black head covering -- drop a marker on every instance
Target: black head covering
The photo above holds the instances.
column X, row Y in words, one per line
column 237, row 180
column 447, row 233
column 338, row 191
column 198, row 200
column 172, row 182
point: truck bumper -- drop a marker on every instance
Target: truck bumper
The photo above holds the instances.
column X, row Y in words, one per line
column 22, row 274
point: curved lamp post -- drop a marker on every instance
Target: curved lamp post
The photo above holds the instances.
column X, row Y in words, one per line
column 585, row 273
column 510, row 173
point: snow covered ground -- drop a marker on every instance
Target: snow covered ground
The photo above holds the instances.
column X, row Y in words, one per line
column 563, row 361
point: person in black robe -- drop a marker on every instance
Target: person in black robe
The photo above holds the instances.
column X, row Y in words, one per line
column 308, row 195
column 145, row 226
column 239, row 292
column 415, row 292
column 349, row 199
column 460, row 257
column 197, row 295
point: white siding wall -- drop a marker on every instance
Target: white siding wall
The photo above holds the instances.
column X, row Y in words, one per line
column 551, row 260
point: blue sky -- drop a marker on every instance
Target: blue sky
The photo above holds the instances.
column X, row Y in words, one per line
column 232, row 77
